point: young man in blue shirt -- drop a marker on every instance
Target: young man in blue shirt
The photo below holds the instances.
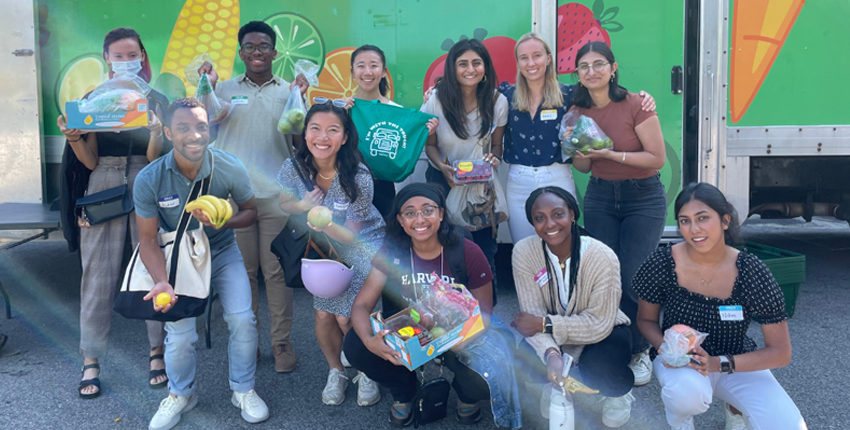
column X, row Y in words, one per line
column 160, row 193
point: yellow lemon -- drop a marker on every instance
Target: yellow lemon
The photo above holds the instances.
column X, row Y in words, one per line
column 163, row 299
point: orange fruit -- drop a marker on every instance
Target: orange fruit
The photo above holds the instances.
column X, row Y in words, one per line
column 335, row 81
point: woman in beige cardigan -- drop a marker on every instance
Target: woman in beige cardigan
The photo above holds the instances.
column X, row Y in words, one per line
column 568, row 286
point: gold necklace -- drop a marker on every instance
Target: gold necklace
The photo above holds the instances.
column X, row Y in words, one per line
column 327, row 179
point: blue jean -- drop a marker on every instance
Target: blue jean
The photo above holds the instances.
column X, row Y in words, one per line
column 234, row 291
column 629, row 217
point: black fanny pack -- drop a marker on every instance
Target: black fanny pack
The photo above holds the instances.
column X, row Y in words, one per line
column 108, row 204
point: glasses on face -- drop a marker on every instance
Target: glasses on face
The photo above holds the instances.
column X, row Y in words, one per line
column 427, row 212
column 322, row 100
column 597, row 67
column 264, row 48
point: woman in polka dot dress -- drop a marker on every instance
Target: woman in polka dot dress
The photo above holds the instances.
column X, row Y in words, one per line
column 710, row 286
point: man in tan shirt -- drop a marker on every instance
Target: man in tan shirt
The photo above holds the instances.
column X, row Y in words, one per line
column 250, row 132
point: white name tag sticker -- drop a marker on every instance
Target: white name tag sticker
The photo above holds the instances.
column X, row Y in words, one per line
column 542, row 277
column 731, row 313
column 169, row 201
column 548, row 114
column 239, row 100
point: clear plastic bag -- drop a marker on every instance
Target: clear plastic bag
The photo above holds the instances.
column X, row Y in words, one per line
column 116, row 95
column 309, row 69
column 586, row 135
column 679, row 340
column 191, row 70
column 217, row 109
column 292, row 119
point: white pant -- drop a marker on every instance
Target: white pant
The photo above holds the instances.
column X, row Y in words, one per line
column 764, row 403
column 522, row 180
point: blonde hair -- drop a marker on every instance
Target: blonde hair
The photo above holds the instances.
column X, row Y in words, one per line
column 552, row 96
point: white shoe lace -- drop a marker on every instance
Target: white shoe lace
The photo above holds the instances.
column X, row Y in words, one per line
column 251, row 399
column 168, row 406
column 334, row 379
column 639, row 360
column 362, row 379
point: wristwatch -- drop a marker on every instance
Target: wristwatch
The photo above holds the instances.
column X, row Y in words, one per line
column 727, row 364
column 547, row 326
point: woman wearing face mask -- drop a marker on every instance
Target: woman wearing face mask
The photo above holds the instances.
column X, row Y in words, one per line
column 369, row 69
column 625, row 203
column 329, row 159
column 472, row 118
column 707, row 284
column 536, row 104
column 94, row 162
column 568, row 286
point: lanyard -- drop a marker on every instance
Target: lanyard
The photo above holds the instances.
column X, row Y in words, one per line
column 413, row 272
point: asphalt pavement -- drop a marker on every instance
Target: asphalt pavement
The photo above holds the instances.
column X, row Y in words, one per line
column 39, row 367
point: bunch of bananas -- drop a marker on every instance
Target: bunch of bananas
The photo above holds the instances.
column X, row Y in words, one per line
column 217, row 210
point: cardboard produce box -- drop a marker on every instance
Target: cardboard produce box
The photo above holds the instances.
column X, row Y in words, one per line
column 445, row 317
column 107, row 121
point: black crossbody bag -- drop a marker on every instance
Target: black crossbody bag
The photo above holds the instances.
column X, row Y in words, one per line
column 110, row 203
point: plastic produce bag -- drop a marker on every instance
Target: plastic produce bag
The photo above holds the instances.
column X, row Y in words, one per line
column 586, row 135
column 309, row 69
column 679, row 340
column 292, row 119
column 115, row 95
column 191, row 69
column 217, row 109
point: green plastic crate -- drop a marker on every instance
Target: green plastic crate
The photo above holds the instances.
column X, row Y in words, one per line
column 789, row 269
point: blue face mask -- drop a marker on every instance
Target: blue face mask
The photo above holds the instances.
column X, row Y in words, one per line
column 127, row 67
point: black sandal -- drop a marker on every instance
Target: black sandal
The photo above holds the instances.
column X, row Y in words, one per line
column 158, row 372
column 88, row 382
column 402, row 422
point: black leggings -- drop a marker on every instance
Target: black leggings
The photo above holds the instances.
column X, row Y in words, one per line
column 603, row 366
column 403, row 383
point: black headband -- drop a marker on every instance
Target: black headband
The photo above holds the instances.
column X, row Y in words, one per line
column 418, row 190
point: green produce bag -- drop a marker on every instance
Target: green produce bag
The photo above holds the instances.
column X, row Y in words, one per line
column 391, row 138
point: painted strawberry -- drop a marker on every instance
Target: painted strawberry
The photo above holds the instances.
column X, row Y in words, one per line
column 578, row 26
column 501, row 51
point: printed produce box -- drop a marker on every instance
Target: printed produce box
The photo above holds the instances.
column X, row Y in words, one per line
column 427, row 329
column 103, row 121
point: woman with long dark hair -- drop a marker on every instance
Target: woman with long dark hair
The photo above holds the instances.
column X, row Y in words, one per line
column 537, row 104
column 568, row 286
column 625, row 203
column 329, row 159
column 710, row 286
column 472, row 118
column 103, row 157
column 369, row 71
column 421, row 241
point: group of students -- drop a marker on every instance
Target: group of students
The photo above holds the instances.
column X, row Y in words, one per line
column 595, row 293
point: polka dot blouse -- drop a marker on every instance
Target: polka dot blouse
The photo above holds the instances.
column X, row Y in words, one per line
column 755, row 290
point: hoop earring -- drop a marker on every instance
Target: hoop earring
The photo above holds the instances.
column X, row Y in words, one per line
column 485, row 79
column 612, row 77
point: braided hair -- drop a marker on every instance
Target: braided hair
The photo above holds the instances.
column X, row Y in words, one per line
column 575, row 246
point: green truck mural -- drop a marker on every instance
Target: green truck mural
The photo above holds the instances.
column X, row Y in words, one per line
column 786, row 37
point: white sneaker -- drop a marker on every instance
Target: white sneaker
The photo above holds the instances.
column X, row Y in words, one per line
column 734, row 421
column 367, row 390
column 254, row 409
column 170, row 410
column 686, row 425
column 617, row 410
column 642, row 368
column 344, row 360
column 334, row 392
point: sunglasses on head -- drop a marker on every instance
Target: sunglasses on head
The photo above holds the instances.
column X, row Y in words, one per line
column 322, row 100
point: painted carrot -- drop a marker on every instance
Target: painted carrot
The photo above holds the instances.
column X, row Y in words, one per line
column 209, row 26
column 760, row 28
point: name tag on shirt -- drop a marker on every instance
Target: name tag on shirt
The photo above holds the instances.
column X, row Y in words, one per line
column 731, row 313
column 239, row 100
column 169, row 202
column 542, row 278
column 548, row 114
